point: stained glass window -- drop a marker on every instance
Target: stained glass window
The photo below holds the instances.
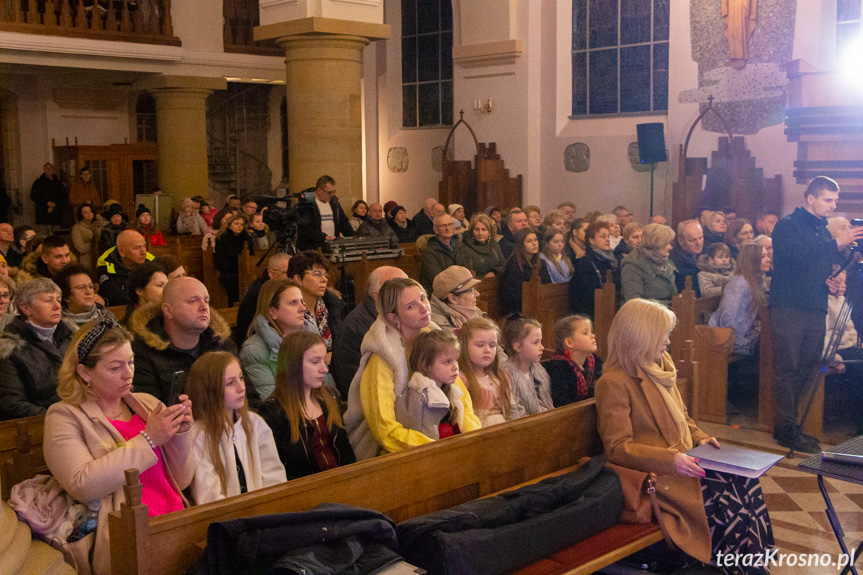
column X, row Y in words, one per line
column 848, row 26
column 620, row 56
column 427, row 95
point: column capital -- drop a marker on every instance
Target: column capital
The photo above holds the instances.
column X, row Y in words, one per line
column 162, row 83
column 322, row 27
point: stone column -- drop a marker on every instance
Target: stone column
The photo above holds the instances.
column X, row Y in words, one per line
column 181, row 127
column 323, row 72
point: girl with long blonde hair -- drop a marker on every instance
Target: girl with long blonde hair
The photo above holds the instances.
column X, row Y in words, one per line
column 482, row 371
column 235, row 448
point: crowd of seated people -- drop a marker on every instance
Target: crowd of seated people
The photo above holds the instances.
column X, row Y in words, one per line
column 301, row 386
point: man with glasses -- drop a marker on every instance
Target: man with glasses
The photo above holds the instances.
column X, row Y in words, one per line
column 323, row 219
column 439, row 252
column 323, row 307
column 277, row 269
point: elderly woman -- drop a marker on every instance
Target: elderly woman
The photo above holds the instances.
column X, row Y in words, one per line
column 280, row 311
column 79, row 297
column 88, row 228
column 31, row 351
column 7, row 292
column 647, row 272
column 715, row 224
column 100, row 428
column 453, row 302
column 644, row 426
column 555, row 219
column 479, row 252
column 324, row 308
column 630, row 238
column 738, row 234
column 190, row 221
column 382, row 378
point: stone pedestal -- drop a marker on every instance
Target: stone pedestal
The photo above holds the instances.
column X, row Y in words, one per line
column 181, row 125
column 323, row 71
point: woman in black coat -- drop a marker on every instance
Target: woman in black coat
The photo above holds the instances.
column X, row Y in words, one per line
column 520, row 268
column 589, row 272
column 229, row 244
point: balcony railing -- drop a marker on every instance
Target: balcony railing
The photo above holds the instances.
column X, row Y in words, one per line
column 241, row 17
column 143, row 21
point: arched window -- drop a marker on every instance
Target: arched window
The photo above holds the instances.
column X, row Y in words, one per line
column 427, row 94
column 619, row 56
column 145, row 113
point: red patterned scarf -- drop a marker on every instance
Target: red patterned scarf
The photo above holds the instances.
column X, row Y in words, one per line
column 583, row 375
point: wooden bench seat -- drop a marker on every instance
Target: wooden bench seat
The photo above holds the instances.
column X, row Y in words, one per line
column 402, row 485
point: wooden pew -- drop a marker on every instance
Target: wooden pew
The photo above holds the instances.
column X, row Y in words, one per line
column 488, row 298
column 604, row 308
column 546, row 303
column 500, row 457
column 20, row 451
column 707, row 347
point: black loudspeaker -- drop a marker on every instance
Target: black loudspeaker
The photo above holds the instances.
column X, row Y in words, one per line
column 651, row 143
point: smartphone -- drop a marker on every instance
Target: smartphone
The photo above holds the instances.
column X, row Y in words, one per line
column 178, row 387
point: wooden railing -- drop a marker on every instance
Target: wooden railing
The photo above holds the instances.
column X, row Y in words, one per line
column 142, row 21
column 241, row 17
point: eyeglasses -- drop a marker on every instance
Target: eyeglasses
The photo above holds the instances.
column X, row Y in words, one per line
column 319, row 274
column 470, row 290
column 84, row 287
column 5, row 295
column 284, row 271
column 445, row 226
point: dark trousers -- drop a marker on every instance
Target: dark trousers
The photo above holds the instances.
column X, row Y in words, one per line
column 798, row 341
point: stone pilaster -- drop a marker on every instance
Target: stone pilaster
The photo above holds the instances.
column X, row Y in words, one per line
column 323, row 72
column 181, row 126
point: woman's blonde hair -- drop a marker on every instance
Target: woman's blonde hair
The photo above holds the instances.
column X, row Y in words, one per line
column 639, row 328
column 749, row 266
column 205, row 386
column 269, row 298
column 289, row 390
column 391, row 291
column 229, row 219
column 656, row 236
column 489, row 223
column 495, row 369
column 630, row 229
column 70, row 386
column 551, row 216
column 707, row 218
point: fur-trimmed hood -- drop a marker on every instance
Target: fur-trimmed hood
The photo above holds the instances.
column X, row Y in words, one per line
column 148, row 323
column 18, row 333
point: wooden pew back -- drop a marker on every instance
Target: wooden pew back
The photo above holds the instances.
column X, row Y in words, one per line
column 402, row 485
column 488, row 300
column 546, row 303
column 604, row 308
column 20, row 451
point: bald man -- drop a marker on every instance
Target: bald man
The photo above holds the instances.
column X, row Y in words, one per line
column 171, row 335
column 113, row 266
column 375, row 225
column 346, row 346
column 424, row 220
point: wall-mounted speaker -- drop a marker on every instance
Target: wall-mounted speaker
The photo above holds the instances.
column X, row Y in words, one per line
column 651, row 143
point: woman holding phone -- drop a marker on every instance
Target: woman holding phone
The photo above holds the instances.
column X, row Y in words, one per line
column 100, row 428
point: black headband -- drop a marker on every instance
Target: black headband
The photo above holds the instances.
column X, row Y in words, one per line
column 86, row 345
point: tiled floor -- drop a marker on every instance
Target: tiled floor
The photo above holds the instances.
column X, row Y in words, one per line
column 796, row 506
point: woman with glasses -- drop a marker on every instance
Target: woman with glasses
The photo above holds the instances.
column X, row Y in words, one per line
column 453, row 302
column 79, row 297
column 324, row 308
column 6, row 294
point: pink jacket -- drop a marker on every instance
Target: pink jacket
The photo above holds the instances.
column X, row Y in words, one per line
column 88, row 456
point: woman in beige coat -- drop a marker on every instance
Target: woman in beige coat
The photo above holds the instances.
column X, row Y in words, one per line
column 89, row 226
column 644, row 426
column 91, row 437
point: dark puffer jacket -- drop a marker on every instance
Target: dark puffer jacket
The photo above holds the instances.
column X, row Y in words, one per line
column 28, row 369
column 156, row 359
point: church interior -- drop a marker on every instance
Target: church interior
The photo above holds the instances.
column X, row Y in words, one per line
column 398, row 100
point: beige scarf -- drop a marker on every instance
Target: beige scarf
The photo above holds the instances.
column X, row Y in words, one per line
column 664, row 377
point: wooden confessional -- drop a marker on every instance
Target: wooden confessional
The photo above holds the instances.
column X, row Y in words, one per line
column 733, row 179
column 486, row 183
